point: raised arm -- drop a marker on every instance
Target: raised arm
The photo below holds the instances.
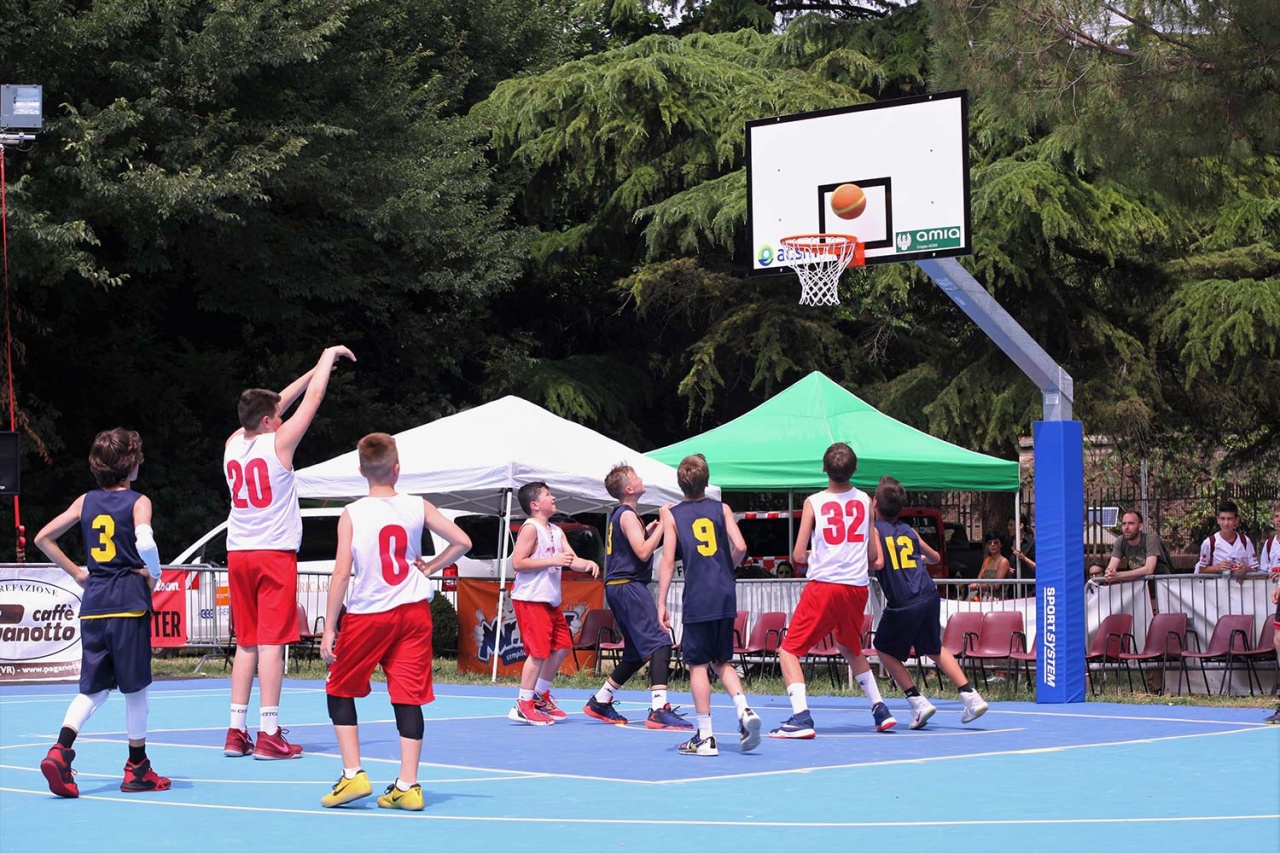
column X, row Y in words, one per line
column 643, row 540
column 291, row 431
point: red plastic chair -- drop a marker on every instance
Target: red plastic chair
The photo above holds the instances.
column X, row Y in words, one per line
column 1114, row 636
column 740, row 627
column 764, row 640
column 1264, row 651
column 826, row 651
column 1166, row 641
column 1232, row 634
column 1000, row 636
column 959, row 635
column 598, row 626
column 1027, row 660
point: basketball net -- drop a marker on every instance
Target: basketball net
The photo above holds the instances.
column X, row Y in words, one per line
column 821, row 260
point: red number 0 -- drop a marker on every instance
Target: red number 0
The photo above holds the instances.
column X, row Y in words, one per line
column 835, row 531
column 256, row 477
column 393, row 546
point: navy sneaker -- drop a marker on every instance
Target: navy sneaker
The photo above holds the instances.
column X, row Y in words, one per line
column 1274, row 718
column 797, row 727
column 603, row 711
column 667, row 718
column 884, row 719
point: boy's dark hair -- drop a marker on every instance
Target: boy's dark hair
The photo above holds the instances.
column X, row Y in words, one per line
column 1229, row 506
column 114, row 455
column 378, row 456
column 615, row 482
column 840, row 462
column 891, row 497
column 256, row 404
column 529, row 493
column 693, row 475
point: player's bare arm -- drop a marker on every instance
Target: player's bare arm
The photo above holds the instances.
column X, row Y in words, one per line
column 643, row 540
column 459, row 541
column 800, row 553
column 290, row 433
column 667, row 565
column 337, row 588
column 736, row 542
column 47, row 540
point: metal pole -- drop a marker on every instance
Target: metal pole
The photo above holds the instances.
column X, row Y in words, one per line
column 504, row 556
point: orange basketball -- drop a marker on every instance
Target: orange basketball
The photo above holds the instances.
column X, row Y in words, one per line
column 848, row 201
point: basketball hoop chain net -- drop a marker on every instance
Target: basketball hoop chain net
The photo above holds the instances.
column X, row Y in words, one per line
column 824, row 258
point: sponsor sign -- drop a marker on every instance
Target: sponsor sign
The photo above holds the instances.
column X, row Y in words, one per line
column 169, row 610
column 482, row 634
column 39, row 625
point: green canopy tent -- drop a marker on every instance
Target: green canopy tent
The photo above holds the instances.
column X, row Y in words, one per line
column 778, row 446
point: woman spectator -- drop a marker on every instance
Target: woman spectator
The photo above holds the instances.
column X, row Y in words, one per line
column 994, row 567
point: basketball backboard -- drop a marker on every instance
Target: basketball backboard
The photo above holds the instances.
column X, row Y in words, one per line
column 910, row 156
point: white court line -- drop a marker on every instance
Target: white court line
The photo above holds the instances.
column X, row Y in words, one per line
column 1131, row 717
column 748, row 824
column 293, row 782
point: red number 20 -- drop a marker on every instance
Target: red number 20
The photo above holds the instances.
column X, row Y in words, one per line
column 836, row 531
column 250, row 484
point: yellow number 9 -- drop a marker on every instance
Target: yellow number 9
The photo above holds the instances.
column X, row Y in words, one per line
column 105, row 551
column 705, row 532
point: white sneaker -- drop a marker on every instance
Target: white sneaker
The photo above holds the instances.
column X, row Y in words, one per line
column 974, row 707
column 699, row 746
column 749, row 730
column 921, row 710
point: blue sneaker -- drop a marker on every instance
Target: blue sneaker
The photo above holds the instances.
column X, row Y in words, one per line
column 603, row 711
column 797, row 727
column 884, row 719
column 667, row 718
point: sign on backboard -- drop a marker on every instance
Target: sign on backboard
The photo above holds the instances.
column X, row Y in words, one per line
column 910, row 157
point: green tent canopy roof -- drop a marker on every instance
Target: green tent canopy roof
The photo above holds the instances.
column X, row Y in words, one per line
column 779, row 445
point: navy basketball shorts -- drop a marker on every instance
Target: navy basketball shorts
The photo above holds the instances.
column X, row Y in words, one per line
column 115, row 653
column 707, row 642
column 637, row 615
column 914, row 625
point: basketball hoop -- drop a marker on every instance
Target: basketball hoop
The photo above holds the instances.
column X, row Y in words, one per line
column 819, row 260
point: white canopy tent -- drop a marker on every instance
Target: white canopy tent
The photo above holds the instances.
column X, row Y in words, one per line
column 476, row 459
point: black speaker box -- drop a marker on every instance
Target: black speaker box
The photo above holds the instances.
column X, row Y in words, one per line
column 10, row 475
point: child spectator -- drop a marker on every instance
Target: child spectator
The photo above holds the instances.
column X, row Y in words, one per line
column 912, row 609
column 122, row 565
column 540, row 553
column 387, row 622
column 1269, row 561
column 1228, row 551
column 844, row 547
column 629, row 547
column 711, row 544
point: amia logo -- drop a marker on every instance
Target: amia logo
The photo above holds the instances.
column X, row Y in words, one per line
column 928, row 239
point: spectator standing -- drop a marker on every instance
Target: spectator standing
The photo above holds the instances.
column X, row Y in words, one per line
column 1228, row 551
column 1140, row 552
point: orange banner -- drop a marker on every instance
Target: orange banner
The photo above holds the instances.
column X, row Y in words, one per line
column 481, row 634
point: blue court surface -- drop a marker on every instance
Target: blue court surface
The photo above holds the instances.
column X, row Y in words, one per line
column 1024, row 777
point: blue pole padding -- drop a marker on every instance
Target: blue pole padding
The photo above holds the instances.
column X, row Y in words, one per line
column 1059, row 483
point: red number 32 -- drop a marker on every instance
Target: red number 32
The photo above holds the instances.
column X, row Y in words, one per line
column 843, row 522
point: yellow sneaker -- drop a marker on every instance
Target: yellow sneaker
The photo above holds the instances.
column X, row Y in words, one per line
column 394, row 798
column 347, row 790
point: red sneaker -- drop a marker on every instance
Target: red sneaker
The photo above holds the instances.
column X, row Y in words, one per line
column 56, row 768
column 274, row 747
column 544, row 703
column 526, row 711
column 238, row 744
column 140, row 777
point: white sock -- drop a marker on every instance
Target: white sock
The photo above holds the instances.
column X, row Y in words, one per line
column 402, row 785
column 269, row 719
column 799, row 701
column 543, row 685
column 240, row 717
column 525, row 695
column 605, row 694
column 350, row 772
column 740, row 702
column 659, row 699
column 704, row 726
column 867, row 682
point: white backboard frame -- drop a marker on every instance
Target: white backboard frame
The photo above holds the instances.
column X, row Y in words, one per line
column 909, row 155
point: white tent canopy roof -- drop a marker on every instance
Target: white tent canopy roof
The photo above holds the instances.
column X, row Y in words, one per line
column 465, row 461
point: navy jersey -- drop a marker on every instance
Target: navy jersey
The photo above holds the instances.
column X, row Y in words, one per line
column 111, row 554
column 904, row 577
column 709, row 585
column 621, row 561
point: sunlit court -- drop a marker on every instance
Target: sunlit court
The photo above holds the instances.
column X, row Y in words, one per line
column 1022, row 777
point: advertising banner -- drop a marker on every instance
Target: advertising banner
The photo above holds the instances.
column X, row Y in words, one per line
column 169, row 610
column 482, row 634
column 39, row 624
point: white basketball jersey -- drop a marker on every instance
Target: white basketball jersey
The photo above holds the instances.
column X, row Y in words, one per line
column 264, row 497
column 543, row 584
column 841, row 533
column 386, row 537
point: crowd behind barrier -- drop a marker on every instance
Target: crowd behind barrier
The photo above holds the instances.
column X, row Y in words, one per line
column 38, row 590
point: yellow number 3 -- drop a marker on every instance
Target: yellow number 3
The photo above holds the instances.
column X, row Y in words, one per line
column 705, row 532
column 105, row 551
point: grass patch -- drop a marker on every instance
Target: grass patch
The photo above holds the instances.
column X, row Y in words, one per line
column 445, row 671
